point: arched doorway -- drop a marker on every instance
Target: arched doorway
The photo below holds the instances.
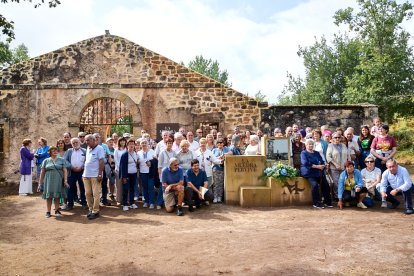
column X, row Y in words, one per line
column 106, row 115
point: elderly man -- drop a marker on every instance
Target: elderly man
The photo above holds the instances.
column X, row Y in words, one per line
column 76, row 158
column 92, row 175
column 199, row 135
column 107, row 160
column 162, row 145
column 81, row 136
column 397, row 179
column 196, row 179
column 173, row 185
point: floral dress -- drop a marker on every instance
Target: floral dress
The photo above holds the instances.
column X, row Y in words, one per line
column 53, row 179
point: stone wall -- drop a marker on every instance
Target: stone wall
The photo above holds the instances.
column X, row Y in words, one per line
column 317, row 115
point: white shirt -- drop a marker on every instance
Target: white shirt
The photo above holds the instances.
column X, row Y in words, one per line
column 161, row 146
column 252, row 150
column 77, row 159
column 400, row 180
column 176, row 148
column 194, row 145
column 117, row 157
column 370, row 177
column 143, row 158
column 207, row 159
column 132, row 162
column 92, row 160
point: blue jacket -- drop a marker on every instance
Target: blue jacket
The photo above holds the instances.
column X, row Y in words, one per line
column 42, row 154
column 123, row 165
column 341, row 181
column 308, row 159
column 68, row 158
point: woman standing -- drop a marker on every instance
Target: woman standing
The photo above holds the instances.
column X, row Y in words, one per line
column 319, row 145
column 210, row 142
column 60, row 145
column 297, row 148
column 336, row 156
column 253, row 148
column 312, row 167
column 41, row 154
column 206, row 160
column 128, row 173
column 121, row 149
column 147, row 171
column 52, row 175
column 383, row 147
column 26, row 157
column 364, row 143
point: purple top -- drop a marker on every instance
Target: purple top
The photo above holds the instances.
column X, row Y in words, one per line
column 26, row 158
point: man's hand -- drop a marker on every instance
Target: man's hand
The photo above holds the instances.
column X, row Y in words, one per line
column 357, row 189
column 394, row 192
column 340, row 204
column 167, row 190
column 200, row 195
column 384, row 194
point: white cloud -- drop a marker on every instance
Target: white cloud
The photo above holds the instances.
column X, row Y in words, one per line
column 257, row 54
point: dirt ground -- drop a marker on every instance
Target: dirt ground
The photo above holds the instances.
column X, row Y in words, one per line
column 215, row 240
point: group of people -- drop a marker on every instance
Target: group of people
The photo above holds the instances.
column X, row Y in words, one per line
column 187, row 168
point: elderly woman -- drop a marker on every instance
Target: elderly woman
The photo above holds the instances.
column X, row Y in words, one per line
column 351, row 186
column 207, row 159
column 364, row 143
column 26, row 157
column 53, row 178
column 319, row 145
column 185, row 156
column 210, row 142
column 253, row 148
column 147, row 173
column 297, row 147
column 312, row 168
column 128, row 173
column 383, row 147
column 336, row 156
column 41, row 154
column 178, row 137
column 371, row 176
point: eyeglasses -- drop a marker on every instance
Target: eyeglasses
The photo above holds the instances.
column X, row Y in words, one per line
column 219, row 142
column 81, row 136
column 336, row 137
column 369, row 161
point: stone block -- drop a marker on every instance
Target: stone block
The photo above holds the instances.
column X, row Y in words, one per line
column 294, row 192
column 255, row 196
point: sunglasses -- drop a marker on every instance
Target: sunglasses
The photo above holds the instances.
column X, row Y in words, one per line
column 336, row 137
column 369, row 161
column 219, row 142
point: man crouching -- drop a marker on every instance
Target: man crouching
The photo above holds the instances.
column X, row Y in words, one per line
column 173, row 185
column 196, row 179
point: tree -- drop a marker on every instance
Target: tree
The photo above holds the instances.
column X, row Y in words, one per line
column 209, row 68
column 373, row 64
column 10, row 56
column 259, row 97
column 7, row 27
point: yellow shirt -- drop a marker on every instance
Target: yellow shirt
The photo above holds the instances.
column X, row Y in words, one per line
column 349, row 183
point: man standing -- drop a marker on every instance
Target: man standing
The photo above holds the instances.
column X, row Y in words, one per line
column 81, row 136
column 92, row 175
column 194, row 145
column 107, row 160
column 66, row 138
column 196, row 179
column 199, row 134
column 76, row 158
column 173, row 184
column 397, row 179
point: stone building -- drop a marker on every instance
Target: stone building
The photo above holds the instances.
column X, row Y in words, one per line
column 107, row 80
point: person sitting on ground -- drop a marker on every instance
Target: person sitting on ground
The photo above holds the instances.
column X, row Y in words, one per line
column 394, row 180
column 351, row 186
column 253, row 148
column 173, row 186
column 312, row 168
column 371, row 176
column 194, row 194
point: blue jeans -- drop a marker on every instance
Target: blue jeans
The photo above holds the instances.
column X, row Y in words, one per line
column 147, row 187
column 314, row 181
column 129, row 189
column 104, row 199
column 73, row 191
column 408, row 197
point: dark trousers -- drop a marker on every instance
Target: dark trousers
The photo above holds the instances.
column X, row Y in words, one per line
column 128, row 189
column 73, row 190
column 104, row 199
column 408, row 197
column 191, row 197
column 147, row 187
column 315, row 182
column 347, row 195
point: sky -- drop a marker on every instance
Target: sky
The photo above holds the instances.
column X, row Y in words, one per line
column 256, row 41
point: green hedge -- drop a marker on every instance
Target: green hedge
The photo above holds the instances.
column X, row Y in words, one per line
column 405, row 138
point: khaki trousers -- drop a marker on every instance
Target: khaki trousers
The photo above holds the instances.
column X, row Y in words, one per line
column 93, row 189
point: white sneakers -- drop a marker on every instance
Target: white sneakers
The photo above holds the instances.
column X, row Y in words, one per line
column 145, row 205
column 125, row 208
column 361, row 205
column 134, row 206
column 384, row 204
column 151, row 206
